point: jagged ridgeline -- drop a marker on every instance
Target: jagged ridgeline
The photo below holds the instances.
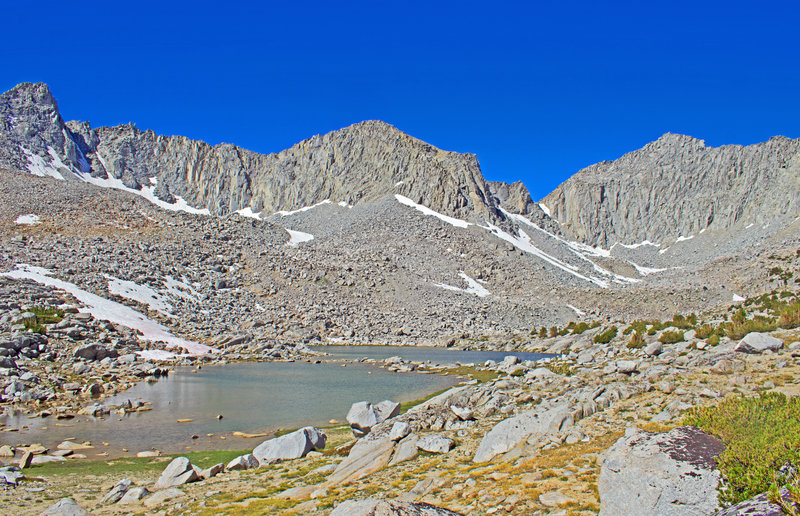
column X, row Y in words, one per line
column 675, row 186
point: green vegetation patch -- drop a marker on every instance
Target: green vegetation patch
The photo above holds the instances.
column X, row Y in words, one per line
column 121, row 466
column 761, row 435
column 606, row 336
column 671, row 337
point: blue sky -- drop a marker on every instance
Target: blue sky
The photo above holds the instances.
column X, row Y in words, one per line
column 538, row 90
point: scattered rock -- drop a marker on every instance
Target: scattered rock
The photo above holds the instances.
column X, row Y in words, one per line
column 178, row 472
column 435, row 444
column 290, row 446
column 755, row 342
column 514, row 430
column 162, row 496
column 365, row 458
column 117, row 492
column 133, row 495
column 242, row 462
column 65, row 507
column 399, row 430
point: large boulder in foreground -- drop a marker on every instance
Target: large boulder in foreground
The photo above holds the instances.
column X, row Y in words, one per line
column 290, row 446
column 377, row 507
column 512, row 431
column 755, row 342
column 660, row 474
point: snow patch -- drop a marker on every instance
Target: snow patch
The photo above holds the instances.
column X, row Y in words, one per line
column 105, row 309
column 300, row 210
column 644, row 271
column 737, row 298
column 344, row 204
column 545, row 209
column 39, row 167
column 29, row 219
column 683, row 238
column 399, row 183
column 148, row 192
column 580, row 313
column 427, row 211
column 140, row 293
column 249, row 213
column 523, row 243
column 640, row 244
column 298, row 237
column 473, row 287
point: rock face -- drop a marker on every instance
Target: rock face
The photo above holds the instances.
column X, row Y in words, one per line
column 514, row 430
column 660, row 474
column 359, row 163
column 376, row 507
column 757, row 506
column 678, row 186
column 755, row 342
column 290, row 446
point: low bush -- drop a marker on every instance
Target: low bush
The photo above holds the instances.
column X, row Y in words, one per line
column 606, row 336
column 789, row 316
column 637, row 341
column 761, row 436
column 671, row 337
column 580, row 328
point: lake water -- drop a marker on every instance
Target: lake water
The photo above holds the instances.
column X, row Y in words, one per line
column 252, row 397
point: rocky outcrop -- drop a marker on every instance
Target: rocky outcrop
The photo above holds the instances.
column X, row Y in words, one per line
column 660, row 474
column 514, row 430
column 677, row 186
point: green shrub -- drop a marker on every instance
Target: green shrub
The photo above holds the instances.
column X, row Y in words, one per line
column 737, row 330
column 606, row 336
column 705, row 331
column 761, row 435
column 42, row 316
column 553, row 331
column 789, row 316
column 637, row 341
column 671, row 337
column 713, row 340
column 543, row 332
column 580, row 328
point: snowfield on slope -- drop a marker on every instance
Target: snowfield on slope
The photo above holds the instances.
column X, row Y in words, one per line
column 105, row 309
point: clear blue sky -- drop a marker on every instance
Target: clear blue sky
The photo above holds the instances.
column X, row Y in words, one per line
column 537, row 90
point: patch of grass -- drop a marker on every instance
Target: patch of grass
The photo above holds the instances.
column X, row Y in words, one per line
column 580, row 328
column 713, row 340
column 559, row 367
column 789, row 316
column 606, row 336
column 738, row 329
column 761, row 435
column 637, row 341
column 118, row 467
column 671, row 337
